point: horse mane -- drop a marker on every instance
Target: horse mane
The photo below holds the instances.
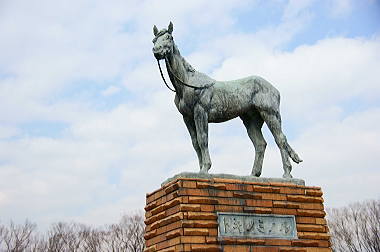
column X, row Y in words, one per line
column 186, row 65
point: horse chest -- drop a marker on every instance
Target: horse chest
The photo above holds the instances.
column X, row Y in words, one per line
column 184, row 106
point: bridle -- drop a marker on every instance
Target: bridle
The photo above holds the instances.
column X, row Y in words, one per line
column 178, row 79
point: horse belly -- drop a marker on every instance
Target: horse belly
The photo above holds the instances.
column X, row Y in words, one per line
column 228, row 105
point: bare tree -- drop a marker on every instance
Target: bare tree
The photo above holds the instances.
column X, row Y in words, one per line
column 17, row 238
column 355, row 228
column 127, row 235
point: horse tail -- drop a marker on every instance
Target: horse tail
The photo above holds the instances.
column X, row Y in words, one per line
column 292, row 154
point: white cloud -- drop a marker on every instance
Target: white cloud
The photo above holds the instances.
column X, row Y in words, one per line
column 322, row 75
column 105, row 161
column 295, row 8
column 7, row 131
column 339, row 8
column 111, row 90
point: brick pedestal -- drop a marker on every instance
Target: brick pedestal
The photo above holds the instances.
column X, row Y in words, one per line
column 182, row 215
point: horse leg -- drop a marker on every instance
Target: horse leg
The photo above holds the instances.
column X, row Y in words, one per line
column 201, row 125
column 253, row 123
column 190, row 124
column 273, row 120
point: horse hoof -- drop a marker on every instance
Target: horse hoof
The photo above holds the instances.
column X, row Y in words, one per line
column 287, row 175
column 202, row 171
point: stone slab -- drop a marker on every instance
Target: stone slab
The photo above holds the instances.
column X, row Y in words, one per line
column 197, row 175
column 256, row 225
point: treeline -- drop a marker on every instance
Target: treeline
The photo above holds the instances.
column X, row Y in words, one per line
column 127, row 235
column 355, row 228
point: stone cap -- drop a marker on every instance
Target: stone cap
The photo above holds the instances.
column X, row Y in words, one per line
column 198, row 175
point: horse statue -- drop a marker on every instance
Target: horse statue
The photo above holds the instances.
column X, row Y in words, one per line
column 202, row 100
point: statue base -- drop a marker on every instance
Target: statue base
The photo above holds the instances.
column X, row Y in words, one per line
column 221, row 212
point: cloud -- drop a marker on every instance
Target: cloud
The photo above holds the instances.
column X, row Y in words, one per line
column 61, row 62
column 111, row 91
column 340, row 8
column 331, row 72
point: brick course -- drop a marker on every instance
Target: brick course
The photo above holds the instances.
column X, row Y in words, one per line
column 182, row 215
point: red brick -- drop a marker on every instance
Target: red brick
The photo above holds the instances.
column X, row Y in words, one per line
column 172, row 188
column 247, row 195
column 265, row 249
column 239, row 241
column 172, row 210
column 150, row 206
column 151, row 249
column 277, row 242
column 317, row 193
column 193, row 192
column 271, row 196
column 201, row 216
column 189, row 184
column 196, row 231
column 236, row 248
column 193, row 239
column 219, row 186
column 285, row 204
column 265, row 189
column 306, row 220
column 222, row 180
column 200, row 223
column 167, row 220
column 174, row 233
column 202, row 200
column 238, row 187
column 259, row 210
column 306, row 199
column 311, row 206
column 211, row 240
column 310, row 228
column 305, row 243
column 230, row 201
column 320, row 221
column 169, row 227
column 313, row 236
column 226, row 208
column 213, row 232
column 292, row 250
column 292, row 190
column 219, row 193
column 151, row 234
column 311, row 213
column 284, row 211
column 205, row 248
column 190, row 207
column 207, row 208
column 259, row 203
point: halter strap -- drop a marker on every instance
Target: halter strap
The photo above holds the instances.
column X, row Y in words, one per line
column 163, row 78
column 182, row 82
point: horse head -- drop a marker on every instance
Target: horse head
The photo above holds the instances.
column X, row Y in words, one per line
column 163, row 42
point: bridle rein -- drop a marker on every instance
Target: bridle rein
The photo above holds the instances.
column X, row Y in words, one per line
column 178, row 79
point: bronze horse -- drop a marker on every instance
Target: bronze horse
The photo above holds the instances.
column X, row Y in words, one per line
column 202, row 100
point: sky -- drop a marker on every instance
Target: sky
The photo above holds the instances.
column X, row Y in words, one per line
column 87, row 127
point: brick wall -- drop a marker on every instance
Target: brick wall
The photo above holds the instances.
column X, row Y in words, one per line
column 182, row 215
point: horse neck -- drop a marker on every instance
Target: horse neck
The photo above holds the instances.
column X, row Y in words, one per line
column 180, row 68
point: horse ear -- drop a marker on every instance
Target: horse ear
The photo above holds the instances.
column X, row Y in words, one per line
column 170, row 27
column 155, row 30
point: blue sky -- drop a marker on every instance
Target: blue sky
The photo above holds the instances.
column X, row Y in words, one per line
column 87, row 127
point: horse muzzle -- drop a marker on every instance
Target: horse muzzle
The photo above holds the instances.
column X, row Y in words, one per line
column 160, row 54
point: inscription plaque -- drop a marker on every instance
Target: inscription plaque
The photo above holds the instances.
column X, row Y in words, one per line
column 257, row 225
